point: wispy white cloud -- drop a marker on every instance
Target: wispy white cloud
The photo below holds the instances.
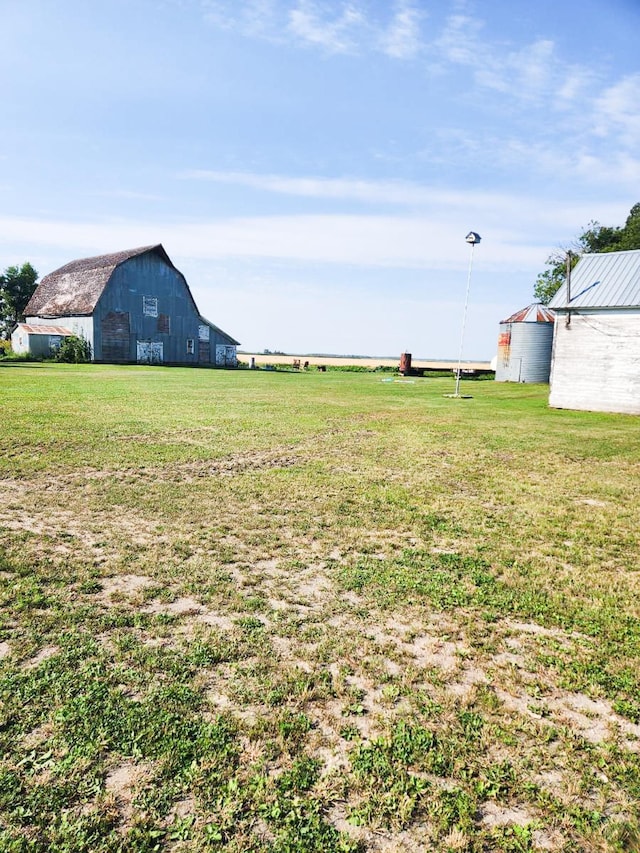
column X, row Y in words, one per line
column 402, row 39
column 617, row 110
column 335, row 33
column 419, row 242
column 519, row 231
column 574, row 159
column 382, row 193
column 131, row 195
column 534, row 72
column 342, row 27
column 252, row 17
column 459, row 41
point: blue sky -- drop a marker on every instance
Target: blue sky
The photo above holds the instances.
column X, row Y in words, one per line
column 313, row 166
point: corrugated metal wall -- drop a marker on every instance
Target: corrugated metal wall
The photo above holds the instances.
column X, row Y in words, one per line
column 524, row 352
column 158, row 308
column 596, row 362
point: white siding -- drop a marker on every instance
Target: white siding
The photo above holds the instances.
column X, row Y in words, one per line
column 81, row 326
column 19, row 341
column 596, row 362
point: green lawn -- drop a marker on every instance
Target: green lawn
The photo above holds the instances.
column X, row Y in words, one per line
column 295, row 612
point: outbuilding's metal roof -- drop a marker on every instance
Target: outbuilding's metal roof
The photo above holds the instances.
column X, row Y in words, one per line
column 603, row 280
column 31, row 329
column 534, row 313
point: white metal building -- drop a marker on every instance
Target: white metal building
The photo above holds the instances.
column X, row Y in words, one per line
column 41, row 340
column 595, row 363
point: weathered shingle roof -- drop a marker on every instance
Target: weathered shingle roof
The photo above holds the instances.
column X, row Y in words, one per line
column 603, row 280
column 75, row 288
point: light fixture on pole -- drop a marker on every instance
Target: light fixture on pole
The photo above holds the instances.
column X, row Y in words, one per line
column 472, row 239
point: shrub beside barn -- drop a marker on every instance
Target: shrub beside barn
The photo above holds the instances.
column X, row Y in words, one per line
column 131, row 306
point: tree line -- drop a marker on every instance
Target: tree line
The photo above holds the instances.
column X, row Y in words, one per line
column 594, row 238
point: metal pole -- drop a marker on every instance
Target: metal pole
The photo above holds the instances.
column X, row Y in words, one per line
column 464, row 321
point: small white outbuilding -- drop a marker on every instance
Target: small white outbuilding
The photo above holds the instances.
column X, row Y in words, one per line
column 40, row 341
column 595, row 363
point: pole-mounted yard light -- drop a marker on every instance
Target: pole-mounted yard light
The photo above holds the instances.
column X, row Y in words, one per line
column 472, row 239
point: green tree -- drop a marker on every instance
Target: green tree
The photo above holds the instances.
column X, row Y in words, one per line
column 594, row 238
column 16, row 287
column 630, row 238
column 552, row 279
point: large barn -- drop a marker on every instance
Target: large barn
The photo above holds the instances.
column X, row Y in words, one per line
column 131, row 306
column 596, row 346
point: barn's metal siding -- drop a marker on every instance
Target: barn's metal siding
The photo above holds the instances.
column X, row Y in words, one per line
column 134, row 285
column 596, row 359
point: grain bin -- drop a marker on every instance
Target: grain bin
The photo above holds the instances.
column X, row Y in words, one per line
column 524, row 345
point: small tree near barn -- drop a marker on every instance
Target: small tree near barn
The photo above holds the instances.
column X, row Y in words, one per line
column 17, row 285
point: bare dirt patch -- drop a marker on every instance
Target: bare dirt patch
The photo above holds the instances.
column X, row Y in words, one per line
column 44, row 654
column 123, row 586
column 121, row 782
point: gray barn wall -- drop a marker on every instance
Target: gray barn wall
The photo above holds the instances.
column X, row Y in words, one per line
column 149, row 276
column 596, row 361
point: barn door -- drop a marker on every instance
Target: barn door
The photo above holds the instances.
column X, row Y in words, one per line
column 149, row 352
column 204, row 344
column 143, row 352
column 115, row 337
column 225, row 356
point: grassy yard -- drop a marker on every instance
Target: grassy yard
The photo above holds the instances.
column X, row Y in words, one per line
column 260, row 611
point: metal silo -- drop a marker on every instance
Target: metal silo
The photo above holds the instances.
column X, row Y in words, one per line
column 524, row 345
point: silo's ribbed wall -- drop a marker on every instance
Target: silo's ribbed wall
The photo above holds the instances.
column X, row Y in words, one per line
column 524, row 352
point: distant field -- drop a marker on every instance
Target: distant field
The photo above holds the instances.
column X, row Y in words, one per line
column 343, row 361
column 309, row 612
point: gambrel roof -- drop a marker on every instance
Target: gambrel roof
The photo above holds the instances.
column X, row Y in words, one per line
column 602, row 280
column 75, row 288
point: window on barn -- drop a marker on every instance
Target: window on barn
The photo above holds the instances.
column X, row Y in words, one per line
column 164, row 324
column 191, row 346
column 150, row 306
